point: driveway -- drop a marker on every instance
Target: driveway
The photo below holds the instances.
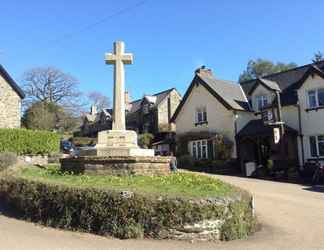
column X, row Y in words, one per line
column 292, row 217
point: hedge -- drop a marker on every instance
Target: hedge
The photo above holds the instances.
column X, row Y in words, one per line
column 108, row 212
column 24, row 141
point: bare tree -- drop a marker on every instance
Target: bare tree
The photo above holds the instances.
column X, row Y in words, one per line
column 99, row 100
column 50, row 84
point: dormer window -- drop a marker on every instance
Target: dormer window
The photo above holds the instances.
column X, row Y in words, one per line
column 315, row 98
column 261, row 102
column 201, row 115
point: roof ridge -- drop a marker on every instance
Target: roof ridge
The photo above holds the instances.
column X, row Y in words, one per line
column 281, row 72
column 11, row 82
column 159, row 93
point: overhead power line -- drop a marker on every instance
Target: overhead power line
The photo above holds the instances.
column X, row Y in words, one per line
column 98, row 22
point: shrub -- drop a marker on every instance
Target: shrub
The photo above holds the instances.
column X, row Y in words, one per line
column 145, row 140
column 83, row 141
column 7, row 159
column 108, row 212
column 223, row 147
column 185, row 161
column 23, row 141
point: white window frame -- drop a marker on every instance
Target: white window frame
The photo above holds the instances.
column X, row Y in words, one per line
column 199, row 149
column 201, row 112
column 316, row 92
column 317, row 142
column 264, row 100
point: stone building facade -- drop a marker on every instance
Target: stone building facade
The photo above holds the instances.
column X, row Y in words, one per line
column 150, row 114
column 10, row 101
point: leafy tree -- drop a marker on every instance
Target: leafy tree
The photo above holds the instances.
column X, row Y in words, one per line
column 318, row 56
column 48, row 116
column 261, row 67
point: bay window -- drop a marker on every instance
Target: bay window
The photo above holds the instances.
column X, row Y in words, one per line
column 199, row 149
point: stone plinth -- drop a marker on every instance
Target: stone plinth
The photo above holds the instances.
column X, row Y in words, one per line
column 121, row 165
column 117, row 143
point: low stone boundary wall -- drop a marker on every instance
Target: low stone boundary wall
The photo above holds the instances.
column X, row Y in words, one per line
column 127, row 165
column 125, row 214
column 42, row 160
column 24, row 160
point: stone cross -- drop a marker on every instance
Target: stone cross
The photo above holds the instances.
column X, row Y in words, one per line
column 119, row 58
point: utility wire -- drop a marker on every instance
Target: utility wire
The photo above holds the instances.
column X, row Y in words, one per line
column 96, row 23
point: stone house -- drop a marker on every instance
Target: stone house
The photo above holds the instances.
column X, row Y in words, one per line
column 277, row 117
column 95, row 121
column 11, row 96
column 150, row 114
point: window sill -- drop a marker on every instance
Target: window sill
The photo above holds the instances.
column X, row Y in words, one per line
column 201, row 123
column 315, row 158
column 314, row 109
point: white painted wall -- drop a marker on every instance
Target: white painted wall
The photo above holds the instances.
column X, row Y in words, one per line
column 220, row 119
column 312, row 121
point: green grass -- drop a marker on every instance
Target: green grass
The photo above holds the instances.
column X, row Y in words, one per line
column 185, row 185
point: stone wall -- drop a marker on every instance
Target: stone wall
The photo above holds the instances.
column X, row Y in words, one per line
column 10, row 106
column 25, row 160
column 163, row 116
column 120, row 166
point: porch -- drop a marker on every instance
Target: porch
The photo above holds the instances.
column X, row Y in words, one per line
column 256, row 143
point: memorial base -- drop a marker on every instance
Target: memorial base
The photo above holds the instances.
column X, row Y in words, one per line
column 120, row 166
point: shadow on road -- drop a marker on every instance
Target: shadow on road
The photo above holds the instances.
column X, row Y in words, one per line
column 315, row 188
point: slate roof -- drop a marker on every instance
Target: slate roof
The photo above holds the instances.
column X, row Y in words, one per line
column 257, row 128
column 229, row 93
column 11, row 82
column 288, row 81
column 155, row 98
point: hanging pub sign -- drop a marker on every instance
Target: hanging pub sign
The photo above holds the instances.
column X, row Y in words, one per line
column 276, row 135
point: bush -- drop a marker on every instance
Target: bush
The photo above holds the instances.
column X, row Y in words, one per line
column 108, row 212
column 145, row 140
column 23, row 141
column 83, row 141
column 185, row 161
column 7, row 159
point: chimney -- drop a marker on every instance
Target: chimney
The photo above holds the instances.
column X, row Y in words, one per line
column 93, row 110
column 204, row 71
column 127, row 100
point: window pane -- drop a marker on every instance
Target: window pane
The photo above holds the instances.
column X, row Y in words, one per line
column 321, row 148
column 320, row 138
column 199, row 149
column 205, row 116
column 204, row 149
column 313, row 149
column 199, row 117
column 311, row 99
column 194, row 150
column 321, row 97
column 265, row 101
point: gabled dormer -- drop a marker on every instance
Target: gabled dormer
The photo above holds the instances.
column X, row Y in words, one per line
column 263, row 94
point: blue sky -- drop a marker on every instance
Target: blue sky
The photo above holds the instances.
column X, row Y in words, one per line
column 169, row 39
